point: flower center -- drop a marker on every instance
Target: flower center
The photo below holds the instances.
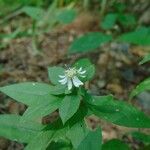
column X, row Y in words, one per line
column 71, row 72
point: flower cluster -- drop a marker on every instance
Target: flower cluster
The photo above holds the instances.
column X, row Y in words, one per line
column 71, row 77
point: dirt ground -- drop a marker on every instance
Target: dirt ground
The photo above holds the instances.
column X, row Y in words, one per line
column 117, row 72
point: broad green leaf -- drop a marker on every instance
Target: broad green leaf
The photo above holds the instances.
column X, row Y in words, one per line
column 92, row 141
column 78, row 116
column 87, row 66
column 50, row 134
column 42, row 109
column 144, row 85
column 60, row 145
column 109, row 21
column 145, row 59
column 89, row 42
column 59, row 130
column 66, row 15
column 140, row 36
column 53, row 73
column 34, row 12
column 60, row 136
column 126, row 20
column 41, row 141
column 115, row 144
column 73, row 123
column 58, row 90
column 29, row 93
column 69, row 106
column 145, row 138
column 77, row 133
column 13, row 128
column 56, row 125
column 118, row 112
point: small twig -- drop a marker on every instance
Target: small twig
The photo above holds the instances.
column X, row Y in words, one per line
column 11, row 15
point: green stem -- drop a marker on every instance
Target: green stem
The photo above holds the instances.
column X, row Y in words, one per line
column 86, row 4
column 11, row 15
column 34, row 39
column 103, row 8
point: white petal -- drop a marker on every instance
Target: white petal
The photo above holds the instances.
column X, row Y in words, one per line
column 63, row 81
column 62, row 76
column 69, row 84
column 76, row 81
column 80, row 69
column 82, row 72
column 82, row 76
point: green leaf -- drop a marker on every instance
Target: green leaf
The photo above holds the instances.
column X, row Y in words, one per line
column 54, row 72
column 69, row 106
column 141, row 137
column 34, row 12
column 87, row 66
column 78, row 116
column 118, row 112
column 144, row 85
column 42, row 109
column 92, row 141
column 115, row 143
column 145, row 59
column 140, row 36
column 77, row 133
column 89, row 42
column 41, row 141
column 126, row 20
column 66, row 16
column 83, row 138
column 12, row 128
column 109, row 21
column 52, row 133
column 58, row 89
column 61, row 145
column 29, row 93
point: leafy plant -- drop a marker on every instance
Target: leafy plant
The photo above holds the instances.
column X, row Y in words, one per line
column 67, row 95
column 34, row 12
column 42, row 19
column 140, row 36
column 66, row 16
column 109, row 21
column 89, row 42
column 144, row 85
column 141, row 87
column 92, row 40
column 120, row 17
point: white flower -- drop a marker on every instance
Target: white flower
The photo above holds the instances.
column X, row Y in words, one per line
column 70, row 77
